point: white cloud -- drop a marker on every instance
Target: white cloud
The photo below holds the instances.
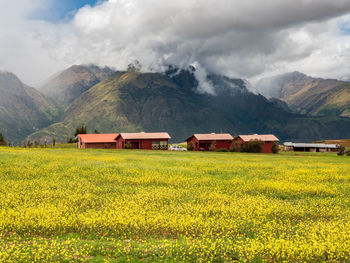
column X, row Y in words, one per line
column 247, row 39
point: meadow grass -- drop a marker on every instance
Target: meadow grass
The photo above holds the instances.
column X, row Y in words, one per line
column 66, row 204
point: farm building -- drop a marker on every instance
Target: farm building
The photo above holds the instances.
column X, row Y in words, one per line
column 97, row 141
column 143, row 140
column 267, row 139
column 310, row 147
column 202, row 142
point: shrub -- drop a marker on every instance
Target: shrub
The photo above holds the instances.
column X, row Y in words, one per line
column 234, row 147
column 190, row 146
column 212, row 146
column 128, row 145
column 348, row 153
column 53, row 142
column 254, row 146
column 2, row 140
column 222, row 150
column 341, row 150
column 275, row 148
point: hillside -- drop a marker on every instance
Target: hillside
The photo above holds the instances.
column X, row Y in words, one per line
column 23, row 109
column 131, row 101
column 307, row 95
column 68, row 85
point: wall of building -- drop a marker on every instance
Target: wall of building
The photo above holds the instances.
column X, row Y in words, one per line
column 266, row 148
column 145, row 144
column 110, row 145
column 204, row 145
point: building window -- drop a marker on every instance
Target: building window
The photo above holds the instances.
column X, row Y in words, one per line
column 155, row 145
column 163, row 145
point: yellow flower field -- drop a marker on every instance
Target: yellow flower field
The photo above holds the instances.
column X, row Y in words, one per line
column 107, row 205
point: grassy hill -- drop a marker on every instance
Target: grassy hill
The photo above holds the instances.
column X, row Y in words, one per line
column 70, row 205
column 23, row 109
column 307, row 95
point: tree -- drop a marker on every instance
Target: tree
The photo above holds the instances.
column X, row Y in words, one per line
column 80, row 130
column 212, row 146
column 275, row 148
column 53, row 142
column 190, row 146
column 128, row 145
column 2, row 140
column 254, row 146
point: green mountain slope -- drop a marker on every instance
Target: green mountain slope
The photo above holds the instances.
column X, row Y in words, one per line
column 64, row 88
column 23, row 109
column 309, row 95
column 131, row 101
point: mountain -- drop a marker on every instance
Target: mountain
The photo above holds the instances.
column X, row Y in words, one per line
column 23, row 109
column 133, row 101
column 68, row 85
column 307, row 95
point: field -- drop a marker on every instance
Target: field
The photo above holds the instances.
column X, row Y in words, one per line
column 107, row 205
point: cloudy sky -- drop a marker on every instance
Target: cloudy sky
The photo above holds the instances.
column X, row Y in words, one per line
column 248, row 39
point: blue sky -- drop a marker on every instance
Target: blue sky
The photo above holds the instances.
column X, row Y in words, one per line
column 59, row 10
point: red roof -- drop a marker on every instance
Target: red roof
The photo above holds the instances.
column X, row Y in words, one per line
column 144, row 135
column 212, row 137
column 96, row 138
column 261, row 137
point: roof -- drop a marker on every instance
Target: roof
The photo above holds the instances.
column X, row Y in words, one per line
column 261, row 137
column 311, row 145
column 212, row 137
column 98, row 138
column 144, row 135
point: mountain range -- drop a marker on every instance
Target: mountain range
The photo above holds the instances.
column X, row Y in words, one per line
column 308, row 95
column 122, row 101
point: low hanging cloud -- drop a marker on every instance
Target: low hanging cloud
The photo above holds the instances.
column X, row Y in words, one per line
column 246, row 39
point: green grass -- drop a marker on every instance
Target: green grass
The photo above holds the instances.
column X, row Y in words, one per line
column 66, row 204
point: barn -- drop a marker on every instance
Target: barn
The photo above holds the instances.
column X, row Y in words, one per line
column 202, row 142
column 267, row 139
column 143, row 140
column 310, row 147
column 97, row 141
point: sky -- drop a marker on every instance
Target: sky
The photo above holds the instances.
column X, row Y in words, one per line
column 248, row 39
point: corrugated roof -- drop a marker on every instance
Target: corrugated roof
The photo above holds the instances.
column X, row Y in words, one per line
column 212, row 136
column 261, row 137
column 96, row 138
column 311, row 145
column 145, row 135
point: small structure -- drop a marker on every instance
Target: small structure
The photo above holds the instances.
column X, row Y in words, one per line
column 202, row 142
column 97, row 141
column 310, row 147
column 267, row 139
column 143, row 140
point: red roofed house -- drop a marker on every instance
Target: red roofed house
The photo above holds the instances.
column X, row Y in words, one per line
column 268, row 140
column 143, row 140
column 202, row 142
column 97, row 141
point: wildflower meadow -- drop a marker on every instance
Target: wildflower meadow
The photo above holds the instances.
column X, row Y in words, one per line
column 67, row 205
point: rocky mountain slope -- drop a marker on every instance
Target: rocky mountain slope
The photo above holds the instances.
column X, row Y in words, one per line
column 68, row 85
column 132, row 101
column 307, row 95
column 23, row 109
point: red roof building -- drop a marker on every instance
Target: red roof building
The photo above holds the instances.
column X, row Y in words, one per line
column 267, row 139
column 202, row 142
column 97, row 141
column 143, row 140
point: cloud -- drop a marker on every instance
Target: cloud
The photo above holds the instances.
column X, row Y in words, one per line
column 247, row 39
